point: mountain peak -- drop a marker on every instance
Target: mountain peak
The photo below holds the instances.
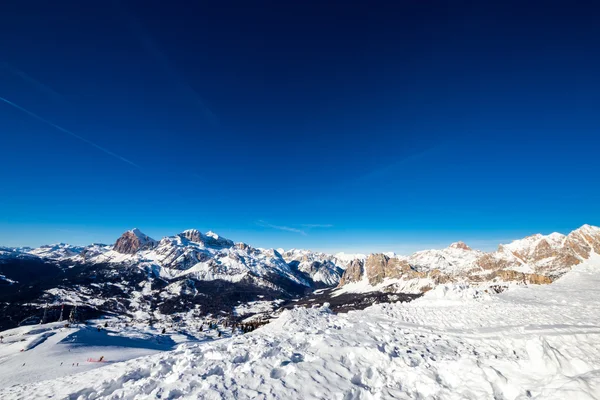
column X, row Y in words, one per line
column 209, row 239
column 212, row 235
column 132, row 241
column 587, row 228
column 192, row 235
column 459, row 245
column 138, row 233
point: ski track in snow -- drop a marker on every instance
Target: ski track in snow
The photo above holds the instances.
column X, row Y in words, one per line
column 531, row 342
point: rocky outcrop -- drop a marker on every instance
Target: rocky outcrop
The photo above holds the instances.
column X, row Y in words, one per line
column 242, row 246
column 133, row 241
column 514, row 276
column 210, row 239
column 379, row 267
column 193, row 235
column 460, row 245
column 584, row 240
column 354, row 273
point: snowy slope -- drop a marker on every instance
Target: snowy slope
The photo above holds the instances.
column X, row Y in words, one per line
column 347, row 258
column 59, row 250
column 454, row 259
column 322, row 268
column 32, row 353
column 531, row 342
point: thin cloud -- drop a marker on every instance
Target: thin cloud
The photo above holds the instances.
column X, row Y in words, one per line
column 68, row 132
column 310, row 226
column 281, row 228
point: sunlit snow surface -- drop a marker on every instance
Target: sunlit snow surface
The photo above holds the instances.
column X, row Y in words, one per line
column 531, row 342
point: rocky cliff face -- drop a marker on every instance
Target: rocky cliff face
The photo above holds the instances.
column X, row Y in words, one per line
column 354, row 273
column 380, row 266
column 133, row 241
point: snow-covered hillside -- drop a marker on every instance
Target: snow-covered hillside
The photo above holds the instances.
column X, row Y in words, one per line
column 326, row 269
column 529, row 342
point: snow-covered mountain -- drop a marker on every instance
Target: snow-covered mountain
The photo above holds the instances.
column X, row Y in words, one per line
column 202, row 257
column 534, row 259
column 452, row 343
column 323, row 268
column 143, row 277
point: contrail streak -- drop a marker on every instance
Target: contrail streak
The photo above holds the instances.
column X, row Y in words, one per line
column 31, row 114
column 33, row 82
column 281, row 228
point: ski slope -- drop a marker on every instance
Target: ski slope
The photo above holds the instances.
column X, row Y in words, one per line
column 34, row 353
column 538, row 342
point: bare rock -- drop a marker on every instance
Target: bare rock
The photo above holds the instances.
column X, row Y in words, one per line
column 133, row 241
column 354, row 273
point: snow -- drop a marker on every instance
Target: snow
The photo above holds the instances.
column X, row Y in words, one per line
column 213, row 235
column 58, row 250
column 449, row 294
column 255, row 307
column 7, row 280
column 30, row 354
column 142, row 236
column 451, row 260
column 529, row 342
column 349, row 257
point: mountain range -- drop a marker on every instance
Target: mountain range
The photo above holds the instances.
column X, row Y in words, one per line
column 536, row 259
column 204, row 273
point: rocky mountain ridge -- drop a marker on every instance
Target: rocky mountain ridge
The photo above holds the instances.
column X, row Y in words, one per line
column 537, row 259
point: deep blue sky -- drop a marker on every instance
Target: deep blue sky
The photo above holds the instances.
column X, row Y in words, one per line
column 360, row 125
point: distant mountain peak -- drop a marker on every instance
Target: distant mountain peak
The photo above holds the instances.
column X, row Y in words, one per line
column 587, row 228
column 209, row 239
column 133, row 241
column 192, row 235
column 140, row 234
column 460, row 245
